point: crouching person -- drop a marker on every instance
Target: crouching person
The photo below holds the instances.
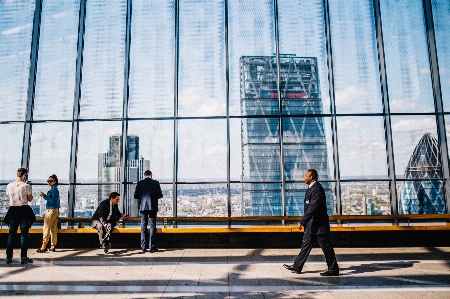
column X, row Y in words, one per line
column 105, row 219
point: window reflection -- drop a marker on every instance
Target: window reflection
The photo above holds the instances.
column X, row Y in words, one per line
column 201, row 72
column 11, row 155
column 355, row 62
column 16, row 25
column 202, row 150
column 303, row 35
column 55, row 81
column 50, row 153
column 362, row 147
column 151, row 58
column 406, row 51
column 103, row 59
column 251, row 32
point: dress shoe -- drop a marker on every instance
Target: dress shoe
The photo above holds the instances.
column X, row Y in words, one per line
column 26, row 260
column 8, row 260
column 52, row 249
column 40, row 250
column 291, row 268
column 330, row 272
column 154, row 249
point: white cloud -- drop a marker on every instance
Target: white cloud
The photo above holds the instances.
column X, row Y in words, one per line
column 196, row 98
column 424, row 71
column 351, row 95
column 59, row 15
column 16, row 29
column 402, row 105
column 414, row 125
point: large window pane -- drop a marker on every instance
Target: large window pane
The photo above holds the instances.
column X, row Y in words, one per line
column 356, row 71
column 260, row 149
column 50, row 151
column 103, row 59
column 416, row 150
column 55, row 80
column 202, row 150
column 441, row 17
column 251, row 32
column 202, row 85
column 362, row 147
column 303, row 35
column 365, row 198
column 202, row 200
column 154, row 145
column 10, row 154
column 260, row 199
column 421, row 197
column 406, row 51
column 99, row 152
column 152, row 58
column 307, row 144
column 16, row 25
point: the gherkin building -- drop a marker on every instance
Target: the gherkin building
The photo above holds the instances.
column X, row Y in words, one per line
column 425, row 196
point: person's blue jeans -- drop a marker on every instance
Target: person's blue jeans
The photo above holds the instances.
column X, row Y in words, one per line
column 14, row 224
column 145, row 217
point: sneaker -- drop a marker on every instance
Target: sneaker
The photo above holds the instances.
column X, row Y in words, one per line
column 26, row 260
column 8, row 260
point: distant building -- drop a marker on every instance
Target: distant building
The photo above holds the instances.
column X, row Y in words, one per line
column 304, row 142
column 427, row 196
column 109, row 168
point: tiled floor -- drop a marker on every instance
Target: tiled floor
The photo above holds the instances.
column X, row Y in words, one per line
column 227, row 273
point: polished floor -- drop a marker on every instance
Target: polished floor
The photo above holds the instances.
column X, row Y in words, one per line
column 227, row 273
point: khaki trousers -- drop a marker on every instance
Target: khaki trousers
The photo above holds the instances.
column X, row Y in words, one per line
column 50, row 227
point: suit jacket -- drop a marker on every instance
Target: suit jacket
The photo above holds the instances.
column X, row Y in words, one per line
column 102, row 212
column 148, row 191
column 315, row 219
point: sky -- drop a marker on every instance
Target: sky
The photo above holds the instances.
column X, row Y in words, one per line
column 202, row 80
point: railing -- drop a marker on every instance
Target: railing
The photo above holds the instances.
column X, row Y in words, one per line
column 286, row 223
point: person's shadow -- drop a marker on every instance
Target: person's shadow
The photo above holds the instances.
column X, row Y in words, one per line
column 381, row 266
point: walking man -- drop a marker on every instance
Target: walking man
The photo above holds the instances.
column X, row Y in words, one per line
column 148, row 191
column 317, row 227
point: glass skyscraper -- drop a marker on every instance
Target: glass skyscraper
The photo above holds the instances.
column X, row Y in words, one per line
column 425, row 196
column 109, row 169
column 303, row 138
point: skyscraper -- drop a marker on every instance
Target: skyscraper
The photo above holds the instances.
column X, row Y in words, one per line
column 304, row 142
column 423, row 197
column 109, row 168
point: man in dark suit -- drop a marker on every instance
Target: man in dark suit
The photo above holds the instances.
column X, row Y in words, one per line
column 105, row 219
column 317, row 227
column 148, row 191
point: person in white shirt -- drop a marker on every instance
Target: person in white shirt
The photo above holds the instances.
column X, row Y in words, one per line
column 20, row 215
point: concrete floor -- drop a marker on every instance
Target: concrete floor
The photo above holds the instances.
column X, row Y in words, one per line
column 227, row 273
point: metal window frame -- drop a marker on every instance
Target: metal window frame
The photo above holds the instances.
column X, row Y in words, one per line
column 386, row 114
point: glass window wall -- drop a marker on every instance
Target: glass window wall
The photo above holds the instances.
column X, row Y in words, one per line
column 204, row 109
